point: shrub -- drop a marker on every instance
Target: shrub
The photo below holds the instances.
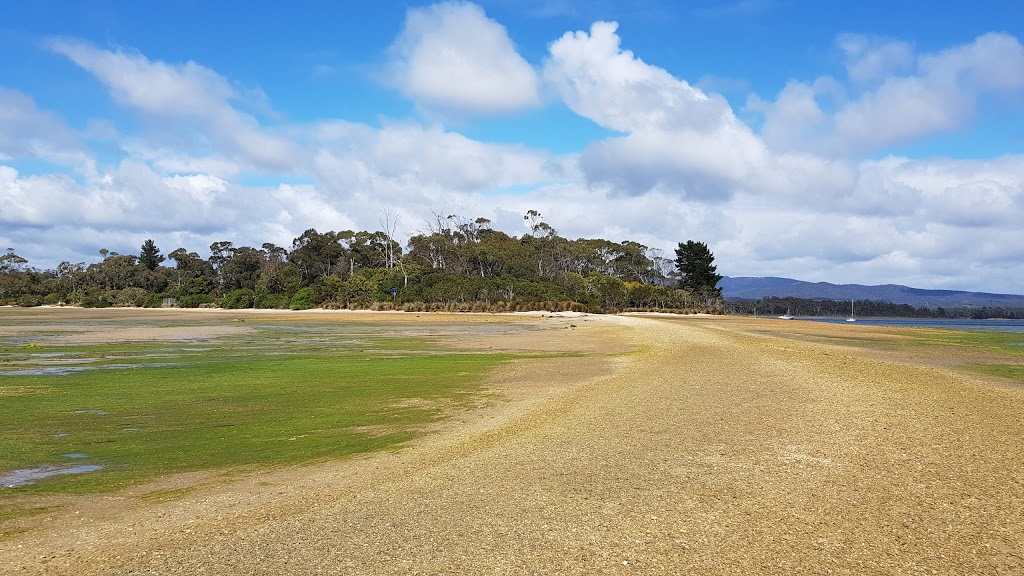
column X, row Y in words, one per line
column 326, row 289
column 29, row 300
column 155, row 301
column 75, row 297
column 359, row 291
column 194, row 300
column 303, row 299
column 127, row 297
column 241, row 298
column 94, row 301
column 266, row 300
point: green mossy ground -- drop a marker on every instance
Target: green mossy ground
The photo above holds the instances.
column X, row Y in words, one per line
column 283, row 394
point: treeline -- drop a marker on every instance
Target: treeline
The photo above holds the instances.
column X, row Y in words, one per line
column 455, row 264
column 775, row 306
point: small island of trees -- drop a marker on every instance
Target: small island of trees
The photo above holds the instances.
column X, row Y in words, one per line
column 455, row 264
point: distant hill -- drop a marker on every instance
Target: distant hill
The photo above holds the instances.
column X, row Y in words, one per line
column 747, row 288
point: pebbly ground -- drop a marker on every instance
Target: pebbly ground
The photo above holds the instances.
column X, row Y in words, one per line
column 673, row 446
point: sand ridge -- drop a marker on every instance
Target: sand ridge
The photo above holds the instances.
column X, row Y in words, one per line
column 689, row 446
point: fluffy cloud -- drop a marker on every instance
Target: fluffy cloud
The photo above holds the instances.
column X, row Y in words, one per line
column 130, row 196
column 186, row 92
column 53, row 215
column 677, row 137
column 435, row 158
column 453, row 57
column 907, row 95
column 967, row 194
column 191, row 195
column 931, row 223
column 600, row 81
column 416, row 171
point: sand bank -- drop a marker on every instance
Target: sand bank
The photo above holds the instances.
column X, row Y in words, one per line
column 672, row 446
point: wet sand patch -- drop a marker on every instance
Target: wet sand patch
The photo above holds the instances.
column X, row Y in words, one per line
column 27, row 476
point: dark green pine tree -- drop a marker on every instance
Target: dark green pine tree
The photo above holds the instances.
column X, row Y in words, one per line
column 697, row 271
column 150, row 257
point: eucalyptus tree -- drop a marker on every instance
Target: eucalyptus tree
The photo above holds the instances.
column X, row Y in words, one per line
column 317, row 254
column 69, row 278
column 189, row 266
column 13, row 278
column 278, row 275
column 115, row 272
column 11, row 262
column 242, row 270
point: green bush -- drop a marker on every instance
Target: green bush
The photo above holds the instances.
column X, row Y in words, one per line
column 265, row 300
column 326, row 289
column 359, row 291
column 194, row 300
column 155, row 300
column 241, row 298
column 197, row 286
column 127, row 297
column 94, row 301
column 303, row 299
column 29, row 300
column 75, row 298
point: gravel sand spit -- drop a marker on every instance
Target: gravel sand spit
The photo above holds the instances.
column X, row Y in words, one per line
column 672, row 446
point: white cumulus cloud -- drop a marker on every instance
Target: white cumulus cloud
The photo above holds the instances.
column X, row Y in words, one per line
column 599, row 80
column 453, row 57
column 677, row 137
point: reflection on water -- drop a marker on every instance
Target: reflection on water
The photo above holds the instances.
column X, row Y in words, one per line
column 32, row 475
column 49, row 371
column 65, row 370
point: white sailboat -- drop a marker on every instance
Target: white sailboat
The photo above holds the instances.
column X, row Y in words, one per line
column 851, row 318
column 786, row 316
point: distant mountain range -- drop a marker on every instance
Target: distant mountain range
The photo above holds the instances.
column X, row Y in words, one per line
column 746, row 288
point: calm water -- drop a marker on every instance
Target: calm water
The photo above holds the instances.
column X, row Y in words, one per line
column 988, row 325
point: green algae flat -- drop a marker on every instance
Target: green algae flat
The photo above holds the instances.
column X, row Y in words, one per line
column 1013, row 372
column 280, row 394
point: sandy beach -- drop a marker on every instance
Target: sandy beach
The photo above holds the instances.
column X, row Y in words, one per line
column 669, row 445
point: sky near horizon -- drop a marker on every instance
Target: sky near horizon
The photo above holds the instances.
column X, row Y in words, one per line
column 846, row 142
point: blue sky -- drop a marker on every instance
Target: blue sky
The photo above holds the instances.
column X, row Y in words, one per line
column 863, row 142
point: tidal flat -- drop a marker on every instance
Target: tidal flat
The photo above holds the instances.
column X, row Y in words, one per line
column 137, row 394
column 582, row 445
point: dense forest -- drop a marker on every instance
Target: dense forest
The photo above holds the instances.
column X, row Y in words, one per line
column 455, row 263
column 774, row 306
